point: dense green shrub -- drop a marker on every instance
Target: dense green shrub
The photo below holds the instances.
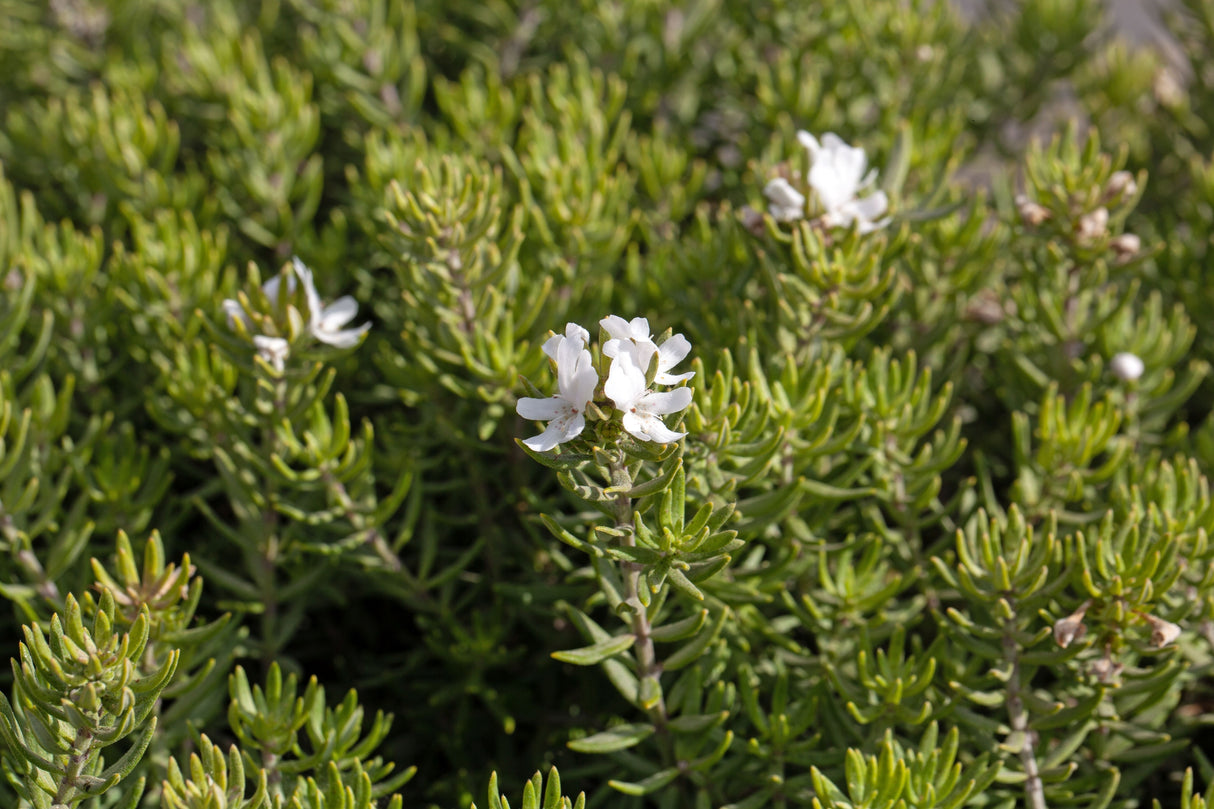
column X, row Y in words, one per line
column 905, row 505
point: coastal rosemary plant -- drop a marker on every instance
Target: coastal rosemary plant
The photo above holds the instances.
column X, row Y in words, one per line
column 709, row 404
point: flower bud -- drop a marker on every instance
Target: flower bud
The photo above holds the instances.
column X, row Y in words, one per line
column 1105, row 669
column 1167, row 88
column 1121, row 184
column 1162, row 632
column 1126, row 246
column 986, row 309
column 273, row 350
column 1031, row 213
column 1093, row 226
column 1070, row 628
column 752, row 220
column 787, row 203
column 1126, row 366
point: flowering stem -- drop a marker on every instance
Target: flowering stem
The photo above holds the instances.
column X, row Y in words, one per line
column 374, row 539
column 1018, row 716
column 268, row 550
column 78, row 757
column 648, row 667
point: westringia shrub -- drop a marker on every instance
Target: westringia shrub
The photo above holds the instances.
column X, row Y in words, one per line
column 720, row 404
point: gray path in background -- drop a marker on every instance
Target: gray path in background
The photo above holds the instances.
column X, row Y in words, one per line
column 1136, row 19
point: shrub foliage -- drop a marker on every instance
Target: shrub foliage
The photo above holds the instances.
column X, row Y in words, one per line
column 934, row 530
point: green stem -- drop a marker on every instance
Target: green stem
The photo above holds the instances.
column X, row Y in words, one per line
column 1018, row 717
column 374, row 539
column 268, row 551
column 648, row 667
column 78, row 759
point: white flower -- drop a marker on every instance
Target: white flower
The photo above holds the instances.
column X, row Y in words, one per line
column 1126, row 366
column 565, row 413
column 837, row 176
column 1126, row 246
column 273, row 350
column 1093, row 226
column 1121, row 184
column 786, row 204
column 642, row 407
column 572, row 332
column 325, row 322
column 1162, row 632
column 635, row 333
column 1071, row 627
column 1031, row 213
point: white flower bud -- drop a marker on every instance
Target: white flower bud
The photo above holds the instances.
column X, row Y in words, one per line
column 787, row 203
column 273, row 350
column 1070, row 628
column 1162, row 632
column 1105, row 669
column 1126, row 246
column 1167, row 88
column 1093, row 226
column 1126, row 366
column 1030, row 212
column 986, row 309
column 752, row 220
column 1121, row 184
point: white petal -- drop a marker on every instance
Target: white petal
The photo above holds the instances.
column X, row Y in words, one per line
column 639, row 329
column 649, row 428
column 616, row 326
column 852, row 163
column 567, row 355
column 338, row 313
column 873, row 206
column 625, row 381
column 782, row 195
column 809, row 142
column 235, row 312
column 575, row 374
column 540, row 409
column 672, row 379
column 565, row 426
column 575, row 332
column 270, row 345
column 345, row 338
column 270, row 288
column 833, row 189
column 672, row 352
column 669, row 401
column 579, row 388
column 833, row 143
column 273, row 350
column 785, row 214
column 546, row 440
column 315, row 308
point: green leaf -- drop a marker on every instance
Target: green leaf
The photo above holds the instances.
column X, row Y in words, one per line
column 681, row 629
column 697, row 646
column 620, row 737
column 592, row 655
column 649, row 785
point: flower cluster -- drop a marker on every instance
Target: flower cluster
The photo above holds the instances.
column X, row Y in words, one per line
column 631, row 351
column 836, row 179
column 325, row 323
